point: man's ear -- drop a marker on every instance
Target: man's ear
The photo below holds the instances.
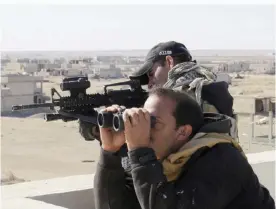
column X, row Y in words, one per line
column 170, row 61
column 184, row 132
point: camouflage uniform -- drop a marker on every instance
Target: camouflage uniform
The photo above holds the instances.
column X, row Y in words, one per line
column 191, row 77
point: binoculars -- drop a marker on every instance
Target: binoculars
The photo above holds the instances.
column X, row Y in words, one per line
column 115, row 120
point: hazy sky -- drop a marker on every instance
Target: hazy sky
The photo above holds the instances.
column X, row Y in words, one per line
column 43, row 27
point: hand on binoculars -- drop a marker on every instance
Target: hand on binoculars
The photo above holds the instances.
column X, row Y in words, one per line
column 112, row 141
column 137, row 128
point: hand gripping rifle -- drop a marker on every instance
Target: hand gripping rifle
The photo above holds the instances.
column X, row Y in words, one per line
column 80, row 105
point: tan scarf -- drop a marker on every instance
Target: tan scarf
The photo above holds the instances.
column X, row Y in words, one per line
column 173, row 164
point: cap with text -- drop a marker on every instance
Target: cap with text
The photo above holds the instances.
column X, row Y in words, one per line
column 158, row 52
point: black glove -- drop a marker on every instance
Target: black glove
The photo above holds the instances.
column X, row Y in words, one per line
column 89, row 132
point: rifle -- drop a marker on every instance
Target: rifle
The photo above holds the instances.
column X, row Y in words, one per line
column 80, row 105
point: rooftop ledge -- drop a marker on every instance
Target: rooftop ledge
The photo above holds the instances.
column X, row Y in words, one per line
column 76, row 192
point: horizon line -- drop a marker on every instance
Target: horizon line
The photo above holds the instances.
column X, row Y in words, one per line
column 108, row 50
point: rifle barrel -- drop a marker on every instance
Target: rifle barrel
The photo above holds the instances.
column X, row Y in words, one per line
column 30, row 106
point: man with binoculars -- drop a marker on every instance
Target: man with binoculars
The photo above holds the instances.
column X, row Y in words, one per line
column 178, row 158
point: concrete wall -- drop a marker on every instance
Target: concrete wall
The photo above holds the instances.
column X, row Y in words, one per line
column 21, row 88
column 76, row 192
column 239, row 106
column 254, row 105
column 8, row 101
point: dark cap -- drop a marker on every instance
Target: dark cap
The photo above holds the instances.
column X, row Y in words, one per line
column 158, row 52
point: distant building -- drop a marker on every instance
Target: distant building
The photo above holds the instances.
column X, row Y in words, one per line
column 111, row 72
column 232, row 67
column 4, row 61
column 40, row 61
column 14, row 67
column 135, row 60
column 72, row 72
column 75, row 61
column 59, row 61
column 268, row 68
column 51, row 66
column 111, row 59
column 31, row 68
column 17, row 89
column 224, row 77
column 23, row 60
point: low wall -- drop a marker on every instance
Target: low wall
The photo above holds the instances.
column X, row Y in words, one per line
column 76, row 192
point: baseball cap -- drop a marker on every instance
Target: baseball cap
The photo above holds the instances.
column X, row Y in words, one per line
column 156, row 53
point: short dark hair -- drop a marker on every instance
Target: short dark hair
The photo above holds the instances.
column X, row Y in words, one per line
column 177, row 59
column 187, row 111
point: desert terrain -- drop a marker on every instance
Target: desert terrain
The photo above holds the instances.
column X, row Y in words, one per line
column 32, row 149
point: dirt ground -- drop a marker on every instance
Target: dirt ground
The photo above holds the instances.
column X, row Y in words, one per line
column 32, row 149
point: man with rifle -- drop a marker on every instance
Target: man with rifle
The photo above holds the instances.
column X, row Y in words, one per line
column 170, row 65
